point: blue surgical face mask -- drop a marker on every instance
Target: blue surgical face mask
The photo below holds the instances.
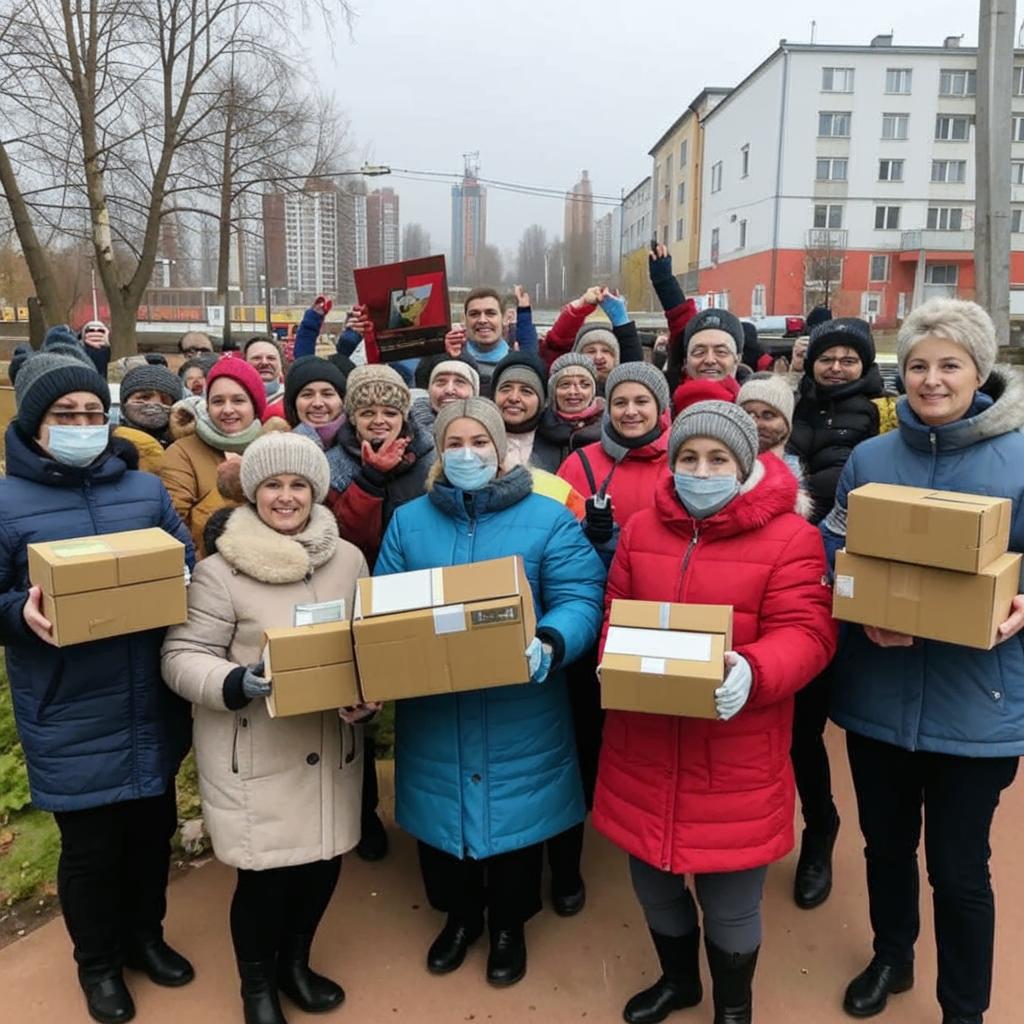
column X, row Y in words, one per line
column 78, row 446
column 469, row 470
column 703, row 496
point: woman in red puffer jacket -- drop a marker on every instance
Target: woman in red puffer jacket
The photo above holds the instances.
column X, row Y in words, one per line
column 715, row 798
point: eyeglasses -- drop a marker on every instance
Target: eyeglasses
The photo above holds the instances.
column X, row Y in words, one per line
column 194, row 350
column 78, row 417
column 846, row 362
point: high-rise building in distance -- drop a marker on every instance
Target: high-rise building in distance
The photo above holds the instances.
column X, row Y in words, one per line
column 469, row 225
column 383, row 230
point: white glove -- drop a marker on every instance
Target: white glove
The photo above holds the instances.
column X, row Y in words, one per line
column 538, row 656
column 733, row 694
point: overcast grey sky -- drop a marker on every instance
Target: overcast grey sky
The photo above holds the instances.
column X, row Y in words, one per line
column 545, row 88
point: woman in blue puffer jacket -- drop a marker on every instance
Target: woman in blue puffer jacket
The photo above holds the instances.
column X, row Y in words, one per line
column 482, row 778
column 933, row 725
column 103, row 737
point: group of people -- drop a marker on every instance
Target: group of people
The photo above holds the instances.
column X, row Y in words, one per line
column 708, row 482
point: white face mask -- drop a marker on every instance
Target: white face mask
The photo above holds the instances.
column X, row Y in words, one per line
column 78, row 446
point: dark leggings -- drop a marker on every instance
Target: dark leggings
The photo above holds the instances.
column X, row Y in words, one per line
column 270, row 905
column 809, row 756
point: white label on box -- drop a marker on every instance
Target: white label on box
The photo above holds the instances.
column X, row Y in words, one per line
column 321, row 611
column 655, row 666
column 844, row 587
column 451, row 619
column 402, row 592
column 658, row 643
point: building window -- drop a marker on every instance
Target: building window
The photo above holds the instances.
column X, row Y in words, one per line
column 1015, row 220
column 1017, row 172
column 714, row 245
column 879, row 268
column 895, row 126
column 887, row 218
column 897, row 81
column 1018, row 81
column 757, row 300
column 834, row 124
column 950, row 172
column 683, row 148
column 941, row 273
column 681, row 197
column 716, row 177
column 957, row 83
column 743, row 234
column 952, row 129
column 745, row 161
column 1018, row 129
column 828, row 215
column 831, row 169
column 680, row 229
column 945, row 218
column 890, row 170
column 837, row 79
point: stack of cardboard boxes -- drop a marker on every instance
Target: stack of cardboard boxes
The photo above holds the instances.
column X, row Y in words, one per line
column 931, row 564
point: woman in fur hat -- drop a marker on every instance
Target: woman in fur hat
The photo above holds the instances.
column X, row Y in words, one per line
column 281, row 797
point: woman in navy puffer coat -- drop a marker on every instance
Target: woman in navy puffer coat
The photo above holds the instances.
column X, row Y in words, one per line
column 931, row 725
column 484, row 777
column 103, row 737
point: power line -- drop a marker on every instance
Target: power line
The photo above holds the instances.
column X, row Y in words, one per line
column 440, row 178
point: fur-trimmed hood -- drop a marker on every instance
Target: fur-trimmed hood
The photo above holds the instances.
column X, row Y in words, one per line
column 251, row 547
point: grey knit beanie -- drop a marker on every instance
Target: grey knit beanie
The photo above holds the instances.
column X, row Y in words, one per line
column 596, row 333
column 47, row 376
column 722, row 421
column 645, row 374
column 278, row 453
column 719, row 320
column 376, row 384
column 484, row 411
column 772, row 390
column 562, row 365
column 964, row 323
column 458, row 368
column 151, row 378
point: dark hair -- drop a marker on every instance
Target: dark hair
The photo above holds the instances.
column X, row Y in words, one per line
column 482, row 293
column 156, row 359
column 263, row 337
column 181, row 340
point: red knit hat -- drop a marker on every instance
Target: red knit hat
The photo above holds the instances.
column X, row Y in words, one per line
column 245, row 376
column 704, row 390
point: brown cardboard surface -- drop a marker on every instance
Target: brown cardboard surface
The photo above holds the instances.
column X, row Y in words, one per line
column 312, row 668
column 942, row 529
column 648, row 681
column 95, row 615
column 934, row 604
column 80, row 564
column 464, row 627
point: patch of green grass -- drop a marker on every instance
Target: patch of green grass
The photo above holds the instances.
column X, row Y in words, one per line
column 385, row 732
column 28, row 866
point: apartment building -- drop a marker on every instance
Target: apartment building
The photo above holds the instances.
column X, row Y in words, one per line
column 635, row 234
column 846, row 174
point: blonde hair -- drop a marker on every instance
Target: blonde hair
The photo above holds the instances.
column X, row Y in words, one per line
column 960, row 321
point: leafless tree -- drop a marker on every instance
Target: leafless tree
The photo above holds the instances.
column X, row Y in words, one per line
column 823, row 266
column 415, row 242
column 530, row 261
column 102, row 106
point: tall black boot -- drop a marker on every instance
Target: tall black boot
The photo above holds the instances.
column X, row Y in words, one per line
column 259, row 992
column 309, row 991
column 732, row 979
column 678, row 987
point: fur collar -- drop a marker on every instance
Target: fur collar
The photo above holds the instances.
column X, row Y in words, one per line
column 252, row 548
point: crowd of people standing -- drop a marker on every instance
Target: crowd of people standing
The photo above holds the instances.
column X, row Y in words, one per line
column 719, row 480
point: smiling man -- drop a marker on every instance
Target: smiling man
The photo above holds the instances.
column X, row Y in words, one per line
column 481, row 335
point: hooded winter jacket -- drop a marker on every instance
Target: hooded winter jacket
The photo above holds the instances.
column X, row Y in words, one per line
column 696, row 795
column 936, row 696
column 489, row 771
column 556, row 438
column 96, row 722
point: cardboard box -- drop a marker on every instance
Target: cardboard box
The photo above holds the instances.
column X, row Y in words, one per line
column 312, row 668
column 942, row 529
column 110, row 584
column 464, row 627
column 934, row 604
column 665, row 659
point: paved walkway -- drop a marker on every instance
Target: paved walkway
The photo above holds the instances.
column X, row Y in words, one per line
column 378, row 928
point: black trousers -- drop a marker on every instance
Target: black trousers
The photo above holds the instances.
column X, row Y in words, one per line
column 112, row 878
column 566, row 849
column 272, row 905
column 371, row 792
column 809, row 756
column 959, row 796
column 504, row 888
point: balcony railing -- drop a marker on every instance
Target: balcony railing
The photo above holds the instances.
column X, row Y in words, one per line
column 827, row 238
column 950, row 241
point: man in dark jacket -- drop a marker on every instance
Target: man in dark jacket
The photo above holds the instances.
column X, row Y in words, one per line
column 103, row 737
column 835, row 412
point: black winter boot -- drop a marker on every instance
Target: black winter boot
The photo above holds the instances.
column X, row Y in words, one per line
column 732, row 979
column 959, row 1018
column 506, row 962
column 678, row 987
column 813, row 882
column 869, row 992
column 309, row 991
column 259, row 992
column 106, row 995
column 161, row 963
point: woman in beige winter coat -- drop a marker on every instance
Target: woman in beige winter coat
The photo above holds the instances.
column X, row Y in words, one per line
column 281, row 797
